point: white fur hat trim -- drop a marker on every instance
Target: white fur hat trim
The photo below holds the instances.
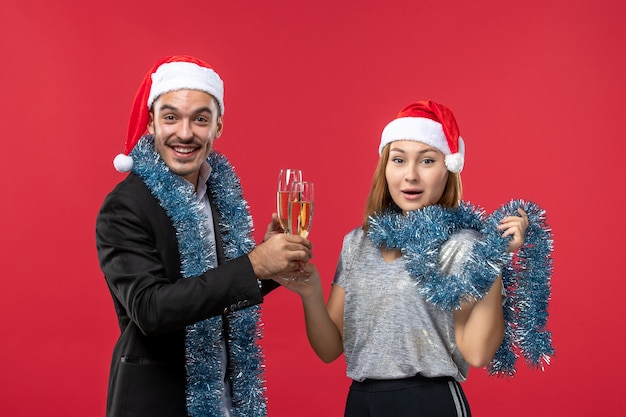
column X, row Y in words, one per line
column 430, row 132
column 174, row 76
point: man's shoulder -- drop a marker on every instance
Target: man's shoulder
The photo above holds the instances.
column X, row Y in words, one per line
column 130, row 191
column 132, row 181
column 131, row 186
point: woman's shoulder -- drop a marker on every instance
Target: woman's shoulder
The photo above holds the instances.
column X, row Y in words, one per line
column 356, row 232
column 470, row 235
column 461, row 241
column 354, row 235
column 357, row 243
column 457, row 249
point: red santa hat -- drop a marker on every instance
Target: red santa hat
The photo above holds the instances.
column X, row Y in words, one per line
column 430, row 123
column 169, row 74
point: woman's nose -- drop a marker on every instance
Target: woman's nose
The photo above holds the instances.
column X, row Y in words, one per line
column 411, row 174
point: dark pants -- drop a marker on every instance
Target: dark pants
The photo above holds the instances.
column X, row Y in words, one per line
column 411, row 397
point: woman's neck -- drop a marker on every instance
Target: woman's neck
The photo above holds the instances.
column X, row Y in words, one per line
column 390, row 255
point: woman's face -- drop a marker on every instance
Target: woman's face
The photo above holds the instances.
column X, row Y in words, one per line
column 416, row 174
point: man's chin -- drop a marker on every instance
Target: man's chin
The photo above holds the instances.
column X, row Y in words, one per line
column 183, row 170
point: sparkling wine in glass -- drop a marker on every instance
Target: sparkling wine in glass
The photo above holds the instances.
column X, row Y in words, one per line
column 286, row 178
column 300, row 211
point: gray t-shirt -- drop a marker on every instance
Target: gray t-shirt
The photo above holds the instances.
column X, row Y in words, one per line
column 390, row 331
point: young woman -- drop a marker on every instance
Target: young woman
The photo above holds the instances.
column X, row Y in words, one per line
column 406, row 346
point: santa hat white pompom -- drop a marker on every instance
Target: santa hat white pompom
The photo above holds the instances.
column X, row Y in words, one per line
column 123, row 163
column 454, row 162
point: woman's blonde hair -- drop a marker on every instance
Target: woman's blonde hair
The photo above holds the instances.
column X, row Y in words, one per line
column 379, row 197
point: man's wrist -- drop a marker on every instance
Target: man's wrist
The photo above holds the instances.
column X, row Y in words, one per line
column 257, row 266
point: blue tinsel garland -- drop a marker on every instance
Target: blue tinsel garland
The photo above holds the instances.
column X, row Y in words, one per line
column 203, row 340
column 526, row 277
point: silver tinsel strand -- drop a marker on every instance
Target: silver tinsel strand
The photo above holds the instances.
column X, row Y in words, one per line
column 526, row 277
column 203, row 340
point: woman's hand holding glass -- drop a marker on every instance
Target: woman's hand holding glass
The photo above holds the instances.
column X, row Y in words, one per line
column 307, row 284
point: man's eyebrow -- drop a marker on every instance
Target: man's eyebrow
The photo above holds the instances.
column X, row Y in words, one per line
column 167, row 107
column 203, row 109
column 196, row 111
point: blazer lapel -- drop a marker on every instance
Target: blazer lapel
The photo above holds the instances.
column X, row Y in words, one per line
column 219, row 246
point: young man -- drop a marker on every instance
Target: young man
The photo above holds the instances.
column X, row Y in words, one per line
column 175, row 245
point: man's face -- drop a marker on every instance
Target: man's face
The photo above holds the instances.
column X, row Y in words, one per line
column 184, row 124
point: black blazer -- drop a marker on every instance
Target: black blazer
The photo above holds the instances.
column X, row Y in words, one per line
column 138, row 254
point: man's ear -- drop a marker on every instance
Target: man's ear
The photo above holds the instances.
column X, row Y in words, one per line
column 220, row 127
column 151, row 123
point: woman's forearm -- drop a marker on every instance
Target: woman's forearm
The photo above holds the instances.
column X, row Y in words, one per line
column 479, row 327
column 322, row 332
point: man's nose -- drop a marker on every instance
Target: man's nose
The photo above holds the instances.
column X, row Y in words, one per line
column 185, row 132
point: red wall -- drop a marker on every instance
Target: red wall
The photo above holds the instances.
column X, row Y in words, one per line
column 538, row 90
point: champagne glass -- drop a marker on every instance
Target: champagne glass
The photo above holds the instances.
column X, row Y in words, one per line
column 286, row 178
column 300, row 208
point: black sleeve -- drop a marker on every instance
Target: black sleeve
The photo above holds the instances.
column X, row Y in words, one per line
column 268, row 286
column 138, row 253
